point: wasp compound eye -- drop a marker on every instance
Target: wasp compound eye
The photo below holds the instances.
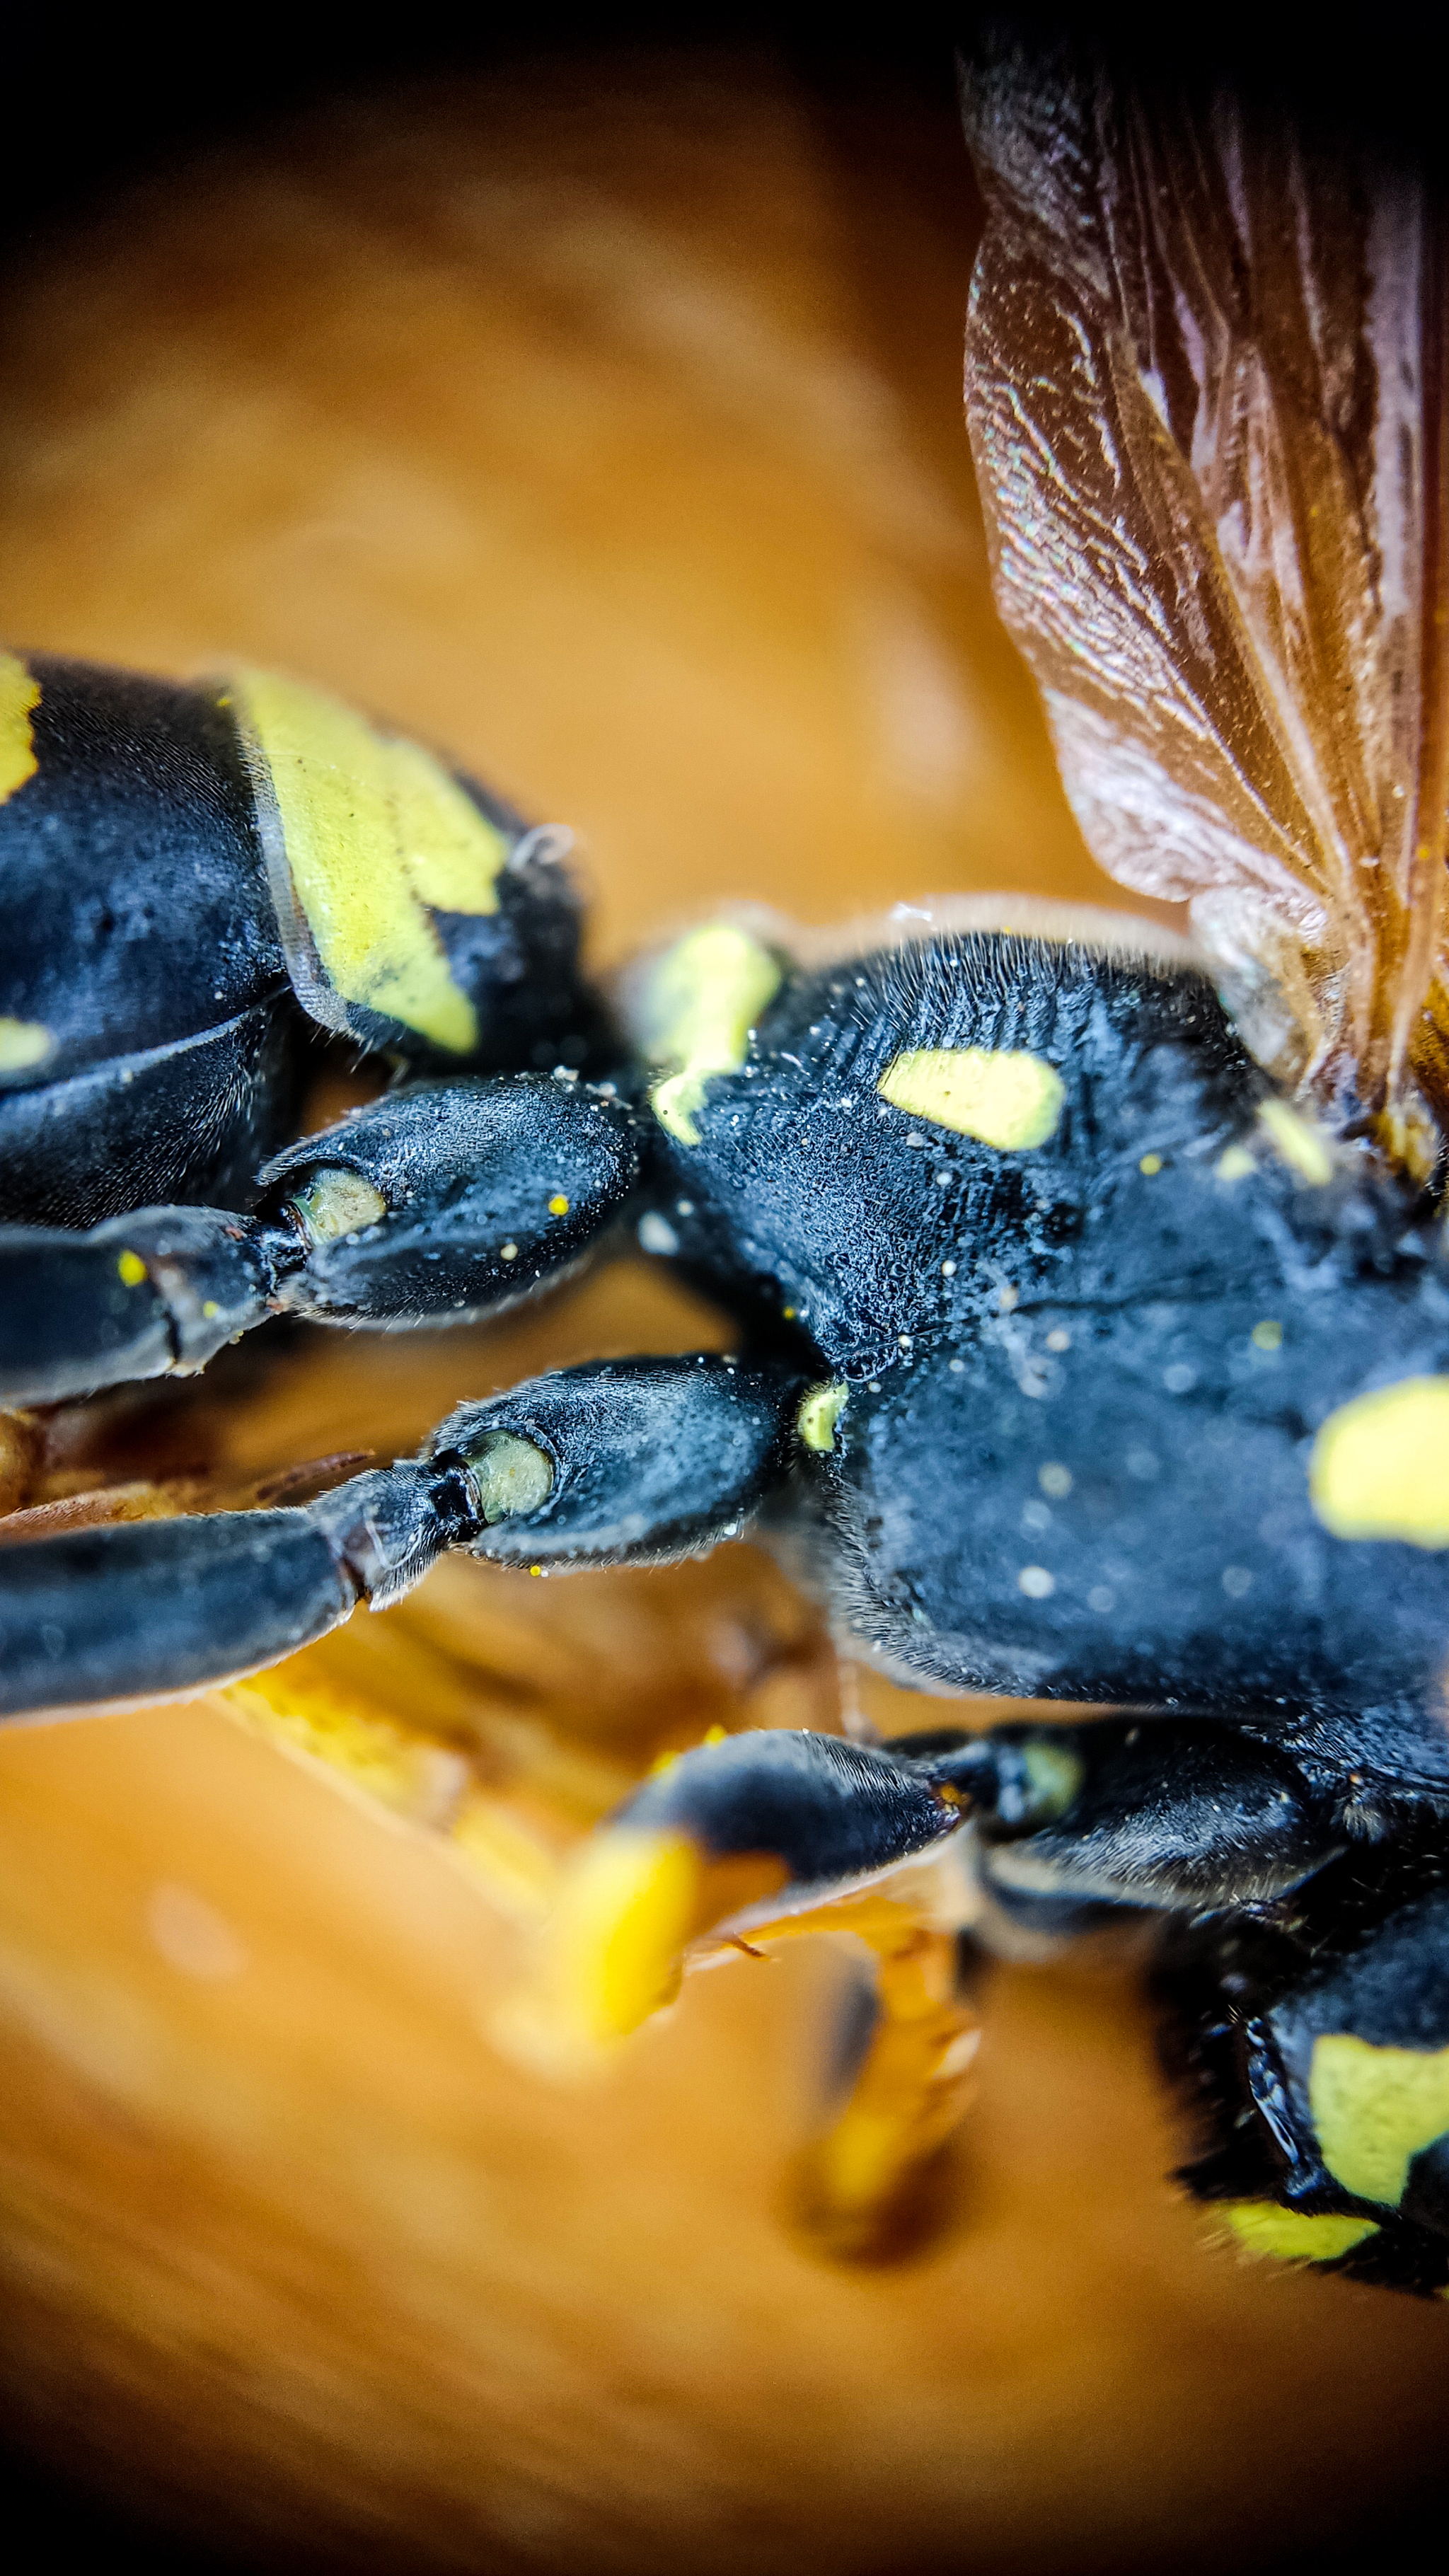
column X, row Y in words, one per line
column 451, row 1198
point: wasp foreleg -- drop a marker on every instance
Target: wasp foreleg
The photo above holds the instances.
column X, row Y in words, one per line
column 630, row 1461
column 143, row 1294
column 444, row 1200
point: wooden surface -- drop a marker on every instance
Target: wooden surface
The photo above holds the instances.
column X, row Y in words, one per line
column 604, row 424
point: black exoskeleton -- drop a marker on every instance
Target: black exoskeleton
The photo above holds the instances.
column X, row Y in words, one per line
column 1077, row 1362
column 1073, row 1365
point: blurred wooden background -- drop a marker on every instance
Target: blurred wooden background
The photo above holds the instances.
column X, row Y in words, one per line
column 599, row 418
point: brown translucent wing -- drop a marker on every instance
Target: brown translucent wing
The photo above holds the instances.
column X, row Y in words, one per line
column 1205, row 387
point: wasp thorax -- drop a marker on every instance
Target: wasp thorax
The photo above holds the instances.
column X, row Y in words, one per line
column 333, row 1202
column 509, row 1476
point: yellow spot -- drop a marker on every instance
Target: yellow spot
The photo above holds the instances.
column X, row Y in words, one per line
column 333, row 1202
column 19, row 698
column 715, row 1734
column 132, row 1269
column 211, row 1310
column 1267, row 1336
column 374, row 836
column 509, row 1476
column 558, row 1205
column 22, row 1044
column 1374, row 2110
column 1054, row 1775
column 703, row 999
column 1293, row 2235
column 1002, row 1096
column 612, row 1947
column 1380, row 1465
column 1236, row 1164
column 1298, row 1141
column 535, row 1569
column 662, row 1762
column 1151, row 1164
column 820, row 1412
column 789, row 1314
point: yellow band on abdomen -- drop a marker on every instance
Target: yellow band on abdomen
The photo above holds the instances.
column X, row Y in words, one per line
column 375, row 835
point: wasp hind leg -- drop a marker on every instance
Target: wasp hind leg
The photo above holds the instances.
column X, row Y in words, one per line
column 867, row 2186
column 761, row 1838
column 1165, row 1816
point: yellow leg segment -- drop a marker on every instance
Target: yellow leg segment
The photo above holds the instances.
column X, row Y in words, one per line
column 863, row 2182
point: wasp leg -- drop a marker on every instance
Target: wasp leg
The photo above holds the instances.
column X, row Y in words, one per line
column 761, row 1838
column 630, row 1462
column 1161, row 1815
column 753, row 1834
column 445, row 1200
column 146, row 1610
column 862, row 2186
column 450, row 1199
column 162, row 1289
column 645, row 1459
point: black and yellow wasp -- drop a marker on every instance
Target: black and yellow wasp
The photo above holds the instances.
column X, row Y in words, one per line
column 1092, row 1300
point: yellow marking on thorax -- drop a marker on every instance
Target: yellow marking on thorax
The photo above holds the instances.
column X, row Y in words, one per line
column 376, row 833
column 1293, row 2235
column 1298, row 1141
column 1380, row 1465
column 820, row 1411
column 22, row 1044
column 1234, row 1164
column 19, row 698
column 1003, row 1096
column 1375, row 2109
column 702, row 1001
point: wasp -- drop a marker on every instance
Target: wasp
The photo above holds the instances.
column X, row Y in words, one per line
column 1092, row 1308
